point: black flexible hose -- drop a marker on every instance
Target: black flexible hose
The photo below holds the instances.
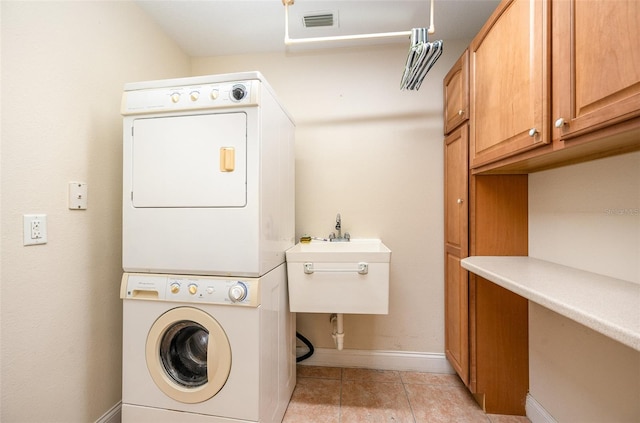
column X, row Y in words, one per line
column 308, row 344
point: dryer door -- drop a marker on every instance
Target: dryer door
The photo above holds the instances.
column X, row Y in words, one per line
column 190, row 161
column 188, row 355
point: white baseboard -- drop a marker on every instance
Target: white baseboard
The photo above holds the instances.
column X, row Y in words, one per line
column 114, row 415
column 536, row 412
column 381, row 360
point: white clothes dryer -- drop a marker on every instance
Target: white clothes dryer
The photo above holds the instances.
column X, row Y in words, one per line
column 206, row 349
column 208, row 176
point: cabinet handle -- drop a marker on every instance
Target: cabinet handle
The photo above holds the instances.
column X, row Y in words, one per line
column 560, row 123
column 460, row 112
column 460, row 201
column 533, row 132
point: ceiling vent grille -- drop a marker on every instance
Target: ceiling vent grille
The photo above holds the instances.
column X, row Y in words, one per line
column 318, row 20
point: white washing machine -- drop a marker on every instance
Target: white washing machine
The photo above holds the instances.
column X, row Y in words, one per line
column 206, row 349
column 208, row 176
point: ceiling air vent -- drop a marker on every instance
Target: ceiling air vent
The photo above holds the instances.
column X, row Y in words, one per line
column 318, row 20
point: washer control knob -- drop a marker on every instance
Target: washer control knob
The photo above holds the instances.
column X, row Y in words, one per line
column 238, row 92
column 175, row 288
column 238, row 292
column 214, row 93
column 175, row 97
column 193, row 289
column 194, row 96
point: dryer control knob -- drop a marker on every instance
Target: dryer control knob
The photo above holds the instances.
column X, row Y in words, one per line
column 238, row 92
column 175, row 288
column 214, row 94
column 175, row 97
column 193, row 289
column 238, row 292
column 194, row 96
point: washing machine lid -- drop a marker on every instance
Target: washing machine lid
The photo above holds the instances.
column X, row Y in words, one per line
column 190, row 161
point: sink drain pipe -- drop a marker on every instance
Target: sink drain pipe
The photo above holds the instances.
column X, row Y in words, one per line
column 337, row 319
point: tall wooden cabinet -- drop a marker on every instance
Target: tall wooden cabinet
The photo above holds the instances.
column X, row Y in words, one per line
column 456, row 248
column 485, row 325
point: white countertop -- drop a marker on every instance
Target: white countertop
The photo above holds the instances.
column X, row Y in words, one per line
column 607, row 305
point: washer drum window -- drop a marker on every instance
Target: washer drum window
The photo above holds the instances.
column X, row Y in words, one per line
column 188, row 355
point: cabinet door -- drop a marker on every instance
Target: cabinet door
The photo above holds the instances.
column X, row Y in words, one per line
column 509, row 82
column 456, row 248
column 596, row 64
column 456, row 94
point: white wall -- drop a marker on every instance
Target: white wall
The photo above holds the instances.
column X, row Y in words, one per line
column 585, row 216
column 63, row 69
column 374, row 154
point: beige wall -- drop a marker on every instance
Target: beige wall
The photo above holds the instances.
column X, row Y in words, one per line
column 372, row 153
column 63, row 69
column 585, row 216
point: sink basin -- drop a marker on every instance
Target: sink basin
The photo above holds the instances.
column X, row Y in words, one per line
column 371, row 250
column 339, row 277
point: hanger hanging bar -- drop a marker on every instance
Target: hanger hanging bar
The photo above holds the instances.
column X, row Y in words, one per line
column 291, row 41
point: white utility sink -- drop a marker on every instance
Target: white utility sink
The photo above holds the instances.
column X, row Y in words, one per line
column 339, row 277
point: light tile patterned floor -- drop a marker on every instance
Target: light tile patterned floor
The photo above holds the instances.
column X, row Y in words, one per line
column 336, row 395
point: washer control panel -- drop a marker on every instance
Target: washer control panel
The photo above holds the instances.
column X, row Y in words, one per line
column 192, row 97
column 192, row 289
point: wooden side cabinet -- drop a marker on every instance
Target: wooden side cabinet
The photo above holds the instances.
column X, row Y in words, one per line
column 498, row 318
column 456, row 94
column 456, row 248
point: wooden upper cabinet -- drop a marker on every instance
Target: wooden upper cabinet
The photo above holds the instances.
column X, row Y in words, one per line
column 596, row 65
column 456, row 94
column 509, row 74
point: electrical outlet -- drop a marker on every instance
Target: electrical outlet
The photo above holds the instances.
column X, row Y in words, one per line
column 34, row 229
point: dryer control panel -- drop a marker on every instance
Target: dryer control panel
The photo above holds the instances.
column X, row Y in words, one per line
column 191, row 289
column 191, row 97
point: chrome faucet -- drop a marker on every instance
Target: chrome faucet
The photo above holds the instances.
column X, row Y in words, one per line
column 339, row 238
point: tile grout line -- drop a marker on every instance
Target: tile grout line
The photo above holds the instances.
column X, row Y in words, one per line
column 406, row 394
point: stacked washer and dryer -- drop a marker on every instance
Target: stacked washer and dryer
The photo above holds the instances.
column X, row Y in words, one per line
column 208, row 212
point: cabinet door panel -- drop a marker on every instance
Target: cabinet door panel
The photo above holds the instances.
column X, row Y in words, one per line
column 456, row 190
column 596, row 64
column 456, row 94
column 457, row 317
column 509, row 90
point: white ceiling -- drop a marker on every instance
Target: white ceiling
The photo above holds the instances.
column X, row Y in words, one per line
column 228, row 27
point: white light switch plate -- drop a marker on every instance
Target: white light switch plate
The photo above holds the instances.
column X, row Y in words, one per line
column 35, row 229
column 77, row 195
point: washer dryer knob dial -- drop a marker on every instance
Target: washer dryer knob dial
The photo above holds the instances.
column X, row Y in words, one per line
column 214, row 93
column 238, row 92
column 238, row 292
column 175, row 97
column 194, row 96
column 193, row 289
column 175, row 288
